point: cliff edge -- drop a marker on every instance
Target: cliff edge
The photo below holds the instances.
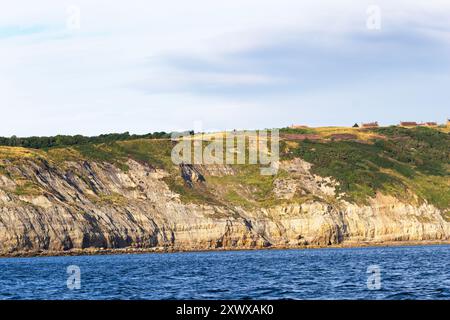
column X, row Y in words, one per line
column 373, row 187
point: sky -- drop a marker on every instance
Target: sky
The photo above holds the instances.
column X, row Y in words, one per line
column 92, row 67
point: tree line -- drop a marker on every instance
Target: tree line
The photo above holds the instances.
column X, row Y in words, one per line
column 65, row 140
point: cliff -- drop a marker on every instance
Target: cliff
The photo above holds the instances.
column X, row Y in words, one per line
column 128, row 195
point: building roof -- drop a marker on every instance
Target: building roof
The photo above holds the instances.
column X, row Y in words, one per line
column 408, row 123
column 370, row 124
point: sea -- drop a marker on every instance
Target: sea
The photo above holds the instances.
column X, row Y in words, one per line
column 373, row 273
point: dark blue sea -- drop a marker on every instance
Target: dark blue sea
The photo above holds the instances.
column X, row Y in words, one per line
column 415, row 272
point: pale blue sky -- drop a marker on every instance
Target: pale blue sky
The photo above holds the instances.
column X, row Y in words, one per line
column 143, row 66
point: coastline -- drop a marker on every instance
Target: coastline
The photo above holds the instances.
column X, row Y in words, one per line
column 124, row 251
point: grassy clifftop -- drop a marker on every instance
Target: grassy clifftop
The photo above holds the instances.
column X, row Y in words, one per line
column 397, row 161
column 413, row 164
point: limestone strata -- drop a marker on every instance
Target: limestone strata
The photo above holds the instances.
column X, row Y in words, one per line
column 82, row 205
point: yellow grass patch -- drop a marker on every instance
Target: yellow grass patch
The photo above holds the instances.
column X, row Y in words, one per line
column 361, row 134
column 18, row 152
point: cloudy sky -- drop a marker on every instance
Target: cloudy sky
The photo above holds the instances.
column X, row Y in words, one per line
column 92, row 67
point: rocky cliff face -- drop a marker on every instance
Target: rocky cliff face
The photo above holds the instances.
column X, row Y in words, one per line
column 87, row 204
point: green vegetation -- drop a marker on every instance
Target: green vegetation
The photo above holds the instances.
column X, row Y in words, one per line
column 3, row 170
column 156, row 153
column 411, row 164
column 356, row 166
column 435, row 189
column 27, row 188
column 298, row 130
column 111, row 199
column 65, row 141
column 246, row 188
column 416, row 160
column 426, row 149
column 199, row 195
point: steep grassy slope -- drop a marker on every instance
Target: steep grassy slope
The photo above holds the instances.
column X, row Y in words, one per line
column 410, row 164
column 397, row 161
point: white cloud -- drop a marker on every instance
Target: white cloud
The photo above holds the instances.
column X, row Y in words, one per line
column 116, row 72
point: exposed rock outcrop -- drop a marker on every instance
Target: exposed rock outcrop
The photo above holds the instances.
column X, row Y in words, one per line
column 97, row 205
